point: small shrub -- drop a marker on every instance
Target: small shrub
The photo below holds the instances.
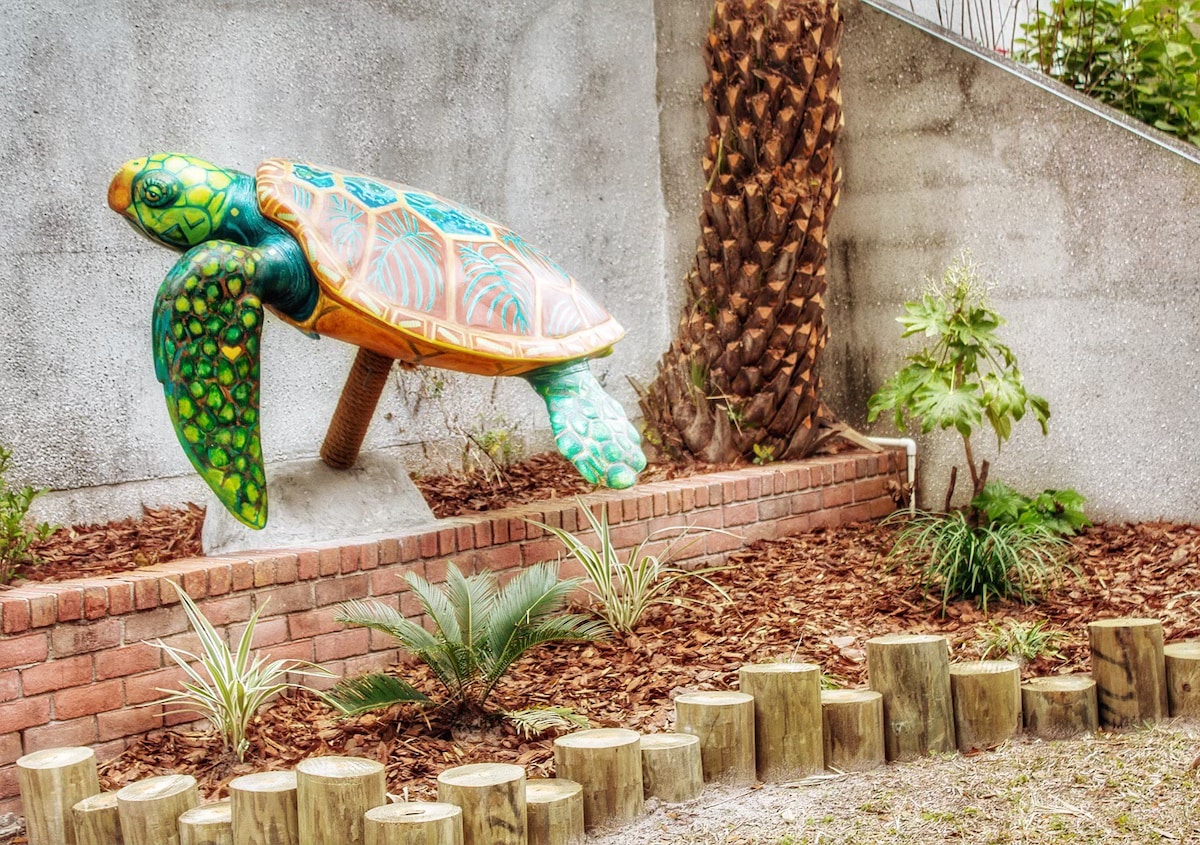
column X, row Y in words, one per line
column 480, row 630
column 1024, row 642
column 1142, row 57
column 984, row 562
column 625, row 590
column 225, row 687
column 17, row 533
column 1060, row 511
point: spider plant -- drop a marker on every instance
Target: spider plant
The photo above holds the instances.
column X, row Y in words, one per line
column 227, row 687
column 1024, row 642
column 480, row 630
column 625, row 590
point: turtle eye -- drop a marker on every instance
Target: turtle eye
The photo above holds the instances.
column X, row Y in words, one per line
column 157, row 190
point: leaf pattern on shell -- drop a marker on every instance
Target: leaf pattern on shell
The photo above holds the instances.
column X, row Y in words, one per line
column 347, row 229
column 495, row 279
column 532, row 253
column 405, row 265
column 564, row 319
column 302, row 196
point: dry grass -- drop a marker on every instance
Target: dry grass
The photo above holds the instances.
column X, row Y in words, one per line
column 1128, row 788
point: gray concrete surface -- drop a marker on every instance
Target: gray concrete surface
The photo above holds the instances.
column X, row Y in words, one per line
column 541, row 113
column 1085, row 222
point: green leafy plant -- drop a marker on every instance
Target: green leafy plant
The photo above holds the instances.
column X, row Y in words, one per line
column 1025, row 642
column 763, row 455
column 966, row 377
column 228, row 687
column 1140, row 56
column 959, row 559
column 480, row 630
column 1060, row 511
column 625, row 590
column 18, row 534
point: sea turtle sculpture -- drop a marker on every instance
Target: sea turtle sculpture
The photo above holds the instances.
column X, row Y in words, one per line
column 400, row 273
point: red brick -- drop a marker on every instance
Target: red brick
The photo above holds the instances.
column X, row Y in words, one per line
column 611, row 507
column 95, row 600
column 243, row 575
column 24, row 713
column 295, row 650
column 10, row 748
column 264, row 572
column 428, row 544
column 220, row 578
column 161, row 622
column 194, row 575
column 674, row 501
column 499, row 558
column 368, row 556
column 446, row 539
column 14, row 613
column 710, row 518
column 310, row 623
column 465, row 536
column 645, row 507
column 43, row 607
column 837, row 495
column 224, row 611
column 348, row 559
column 715, row 543
column 129, row 721
column 267, row 632
column 660, row 502
column 106, row 751
column 570, row 518
column 120, row 597
column 858, row 512
column 540, row 550
column 350, row 643
column 70, row 602
column 774, row 508
column 435, row 571
column 808, row 501
column 22, row 651
column 629, row 507
column 338, row 590
column 146, row 592
column 386, row 582
column 10, row 685
column 87, row 701
column 740, row 514
column 389, row 551
column 802, row 479
column 80, row 639
column 659, row 525
column 794, row 525
column 149, row 686
column 127, row 660
column 410, row 547
column 308, row 564
column 58, row 734
column 881, row 507
column 169, row 585
column 481, row 534
column 177, row 717
column 289, row 599
column 57, row 674
column 869, row 488
column 628, row 536
column 287, row 569
column 374, row 662
column 8, row 778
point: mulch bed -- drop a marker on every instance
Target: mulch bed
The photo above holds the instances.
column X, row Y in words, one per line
column 815, row 598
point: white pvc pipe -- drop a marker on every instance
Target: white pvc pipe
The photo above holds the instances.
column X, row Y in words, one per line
column 910, row 449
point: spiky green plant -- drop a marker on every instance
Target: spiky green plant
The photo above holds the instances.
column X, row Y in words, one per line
column 983, row 562
column 625, row 590
column 1025, row 642
column 18, row 535
column 227, row 687
column 480, row 630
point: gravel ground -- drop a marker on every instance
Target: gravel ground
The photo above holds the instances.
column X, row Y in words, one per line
column 1130, row 788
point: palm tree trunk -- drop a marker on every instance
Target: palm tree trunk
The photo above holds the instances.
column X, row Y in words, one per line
column 740, row 378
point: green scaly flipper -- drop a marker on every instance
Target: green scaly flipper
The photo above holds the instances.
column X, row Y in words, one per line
column 590, row 427
column 207, row 326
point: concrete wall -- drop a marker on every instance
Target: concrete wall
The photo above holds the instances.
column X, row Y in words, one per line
column 1086, row 223
column 541, row 113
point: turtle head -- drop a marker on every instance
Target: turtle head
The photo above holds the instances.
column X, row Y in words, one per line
column 175, row 199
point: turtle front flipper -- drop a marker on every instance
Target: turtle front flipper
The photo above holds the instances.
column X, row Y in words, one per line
column 207, row 325
column 590, row 427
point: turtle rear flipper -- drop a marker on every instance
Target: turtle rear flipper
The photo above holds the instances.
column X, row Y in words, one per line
column 590, row 427
column 207, row 326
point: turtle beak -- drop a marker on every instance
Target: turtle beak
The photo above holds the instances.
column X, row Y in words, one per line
column 120, row 191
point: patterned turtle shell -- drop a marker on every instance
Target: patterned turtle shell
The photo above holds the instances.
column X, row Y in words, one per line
column 458, row 285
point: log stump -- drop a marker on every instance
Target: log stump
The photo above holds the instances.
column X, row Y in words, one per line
column 724, row 722
column 671, row 767
column 1059, row 706
column 492, row 799
column 607, row 763
column 1129, row 670
column 852, row 729
column 987, row 702
column 150, row 809
column 51, row 783
column 787, row 719
column 264, row 809
column 1183, row 678
column 554, row 810
column 97, row 821
column 414, row 823
column 333, row 795
column 912, row 673
column 208, row 824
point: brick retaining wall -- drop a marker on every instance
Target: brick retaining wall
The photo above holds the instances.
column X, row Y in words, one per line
column 74, row 664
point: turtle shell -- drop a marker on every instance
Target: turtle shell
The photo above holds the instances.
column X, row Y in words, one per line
column 460, row 290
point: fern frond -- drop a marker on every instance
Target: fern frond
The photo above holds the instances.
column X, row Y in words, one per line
column 534, row 721
column 352, row 696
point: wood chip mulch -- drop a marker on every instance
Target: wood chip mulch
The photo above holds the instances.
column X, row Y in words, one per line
column 815, row 598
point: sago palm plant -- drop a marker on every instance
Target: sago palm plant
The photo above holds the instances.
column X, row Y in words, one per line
column 480, row 630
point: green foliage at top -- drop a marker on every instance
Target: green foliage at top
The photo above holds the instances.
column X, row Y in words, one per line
column 17, row 533
column 228, row 687
column 967, row 375
column 1024, row 642
column 1060, row 511
column 1140, row 56
column 480, row 630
